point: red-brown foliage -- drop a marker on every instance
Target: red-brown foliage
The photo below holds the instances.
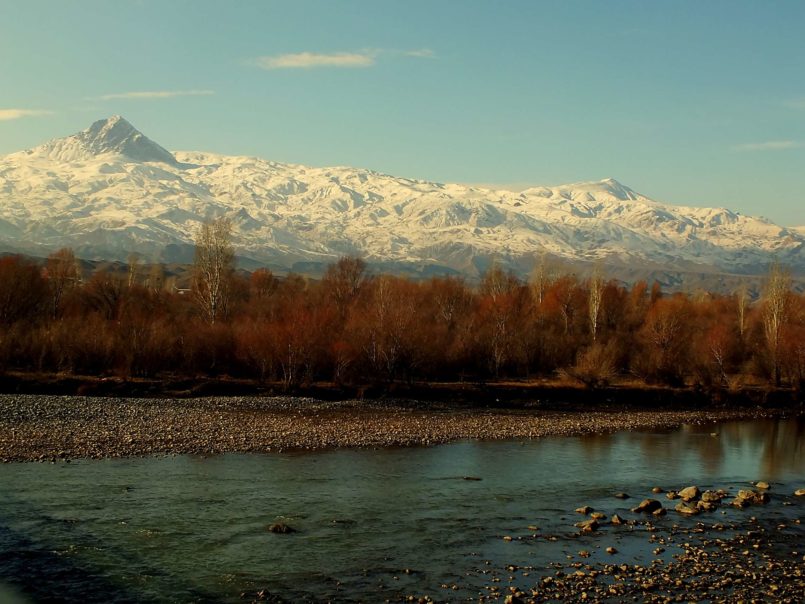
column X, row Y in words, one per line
column 352, row 327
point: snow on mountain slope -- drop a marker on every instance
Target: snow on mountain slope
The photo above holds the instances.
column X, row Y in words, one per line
column 109, row 191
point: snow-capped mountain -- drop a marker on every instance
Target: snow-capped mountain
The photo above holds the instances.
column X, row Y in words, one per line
column 109, row 191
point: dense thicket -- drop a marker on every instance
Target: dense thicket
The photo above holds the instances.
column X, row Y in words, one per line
column 352, row 327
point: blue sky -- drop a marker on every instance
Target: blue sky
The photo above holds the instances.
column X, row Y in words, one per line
column 699, row 103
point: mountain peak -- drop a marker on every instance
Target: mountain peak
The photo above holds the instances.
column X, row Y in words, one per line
column 608, row 187
column 111, row 135
column 116, row 135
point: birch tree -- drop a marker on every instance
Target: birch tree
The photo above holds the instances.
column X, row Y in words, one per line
column 134, row 269
column 742, row 300
column 539, row 280
column 775, row 312
column 213, row 268
column 595, row 298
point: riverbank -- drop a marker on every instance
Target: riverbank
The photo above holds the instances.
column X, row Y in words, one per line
column 554, row 391
column 44, row 427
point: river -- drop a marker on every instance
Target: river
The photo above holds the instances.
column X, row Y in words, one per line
column 371, row 524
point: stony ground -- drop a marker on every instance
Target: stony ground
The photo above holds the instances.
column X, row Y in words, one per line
column 39, row 427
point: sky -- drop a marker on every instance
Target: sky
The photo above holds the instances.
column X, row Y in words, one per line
column 688, row 102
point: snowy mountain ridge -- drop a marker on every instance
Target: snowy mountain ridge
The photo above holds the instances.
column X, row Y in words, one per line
column 109, row 191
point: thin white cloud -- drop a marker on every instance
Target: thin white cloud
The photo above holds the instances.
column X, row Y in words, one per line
column 421, row 53
column 357, row 59
column 154, row 94
column 768, row 146
column 795, row 103
column 15, row 114
column 309, row 60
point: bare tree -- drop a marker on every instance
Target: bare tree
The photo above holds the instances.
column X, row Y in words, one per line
column 742, row 299
column 134, row 268
column 539, row 280
column 63, row 275
column 344, row 280
column 566, row 296
column 23, row 291
column 156, row 277
column 775, row 313
column 105, row 292
column 595, row 299
column 214, row 268
column 497, row 282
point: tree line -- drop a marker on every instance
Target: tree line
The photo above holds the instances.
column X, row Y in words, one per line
column 353, row 327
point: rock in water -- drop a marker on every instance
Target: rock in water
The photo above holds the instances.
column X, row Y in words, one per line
column 586, row 509
column 648, row 506
column 711, row 497
column 686, row 509
column 617, row 519
column 705, row 506
column 762, row 484
column 281, row 529
column 689, row 493
column 800, row 492
column 752, row 497
column 588, row 526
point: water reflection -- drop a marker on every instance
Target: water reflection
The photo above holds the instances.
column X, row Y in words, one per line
column 783, row 448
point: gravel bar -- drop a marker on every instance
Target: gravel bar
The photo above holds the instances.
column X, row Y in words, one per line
column 42, row 427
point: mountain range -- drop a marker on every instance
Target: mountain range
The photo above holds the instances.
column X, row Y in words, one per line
column 109, row 191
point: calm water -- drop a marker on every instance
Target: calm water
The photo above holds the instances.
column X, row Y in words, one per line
column 193, row 529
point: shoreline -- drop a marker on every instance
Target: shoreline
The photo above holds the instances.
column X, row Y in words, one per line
column 486, row 394
column 50, row 428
